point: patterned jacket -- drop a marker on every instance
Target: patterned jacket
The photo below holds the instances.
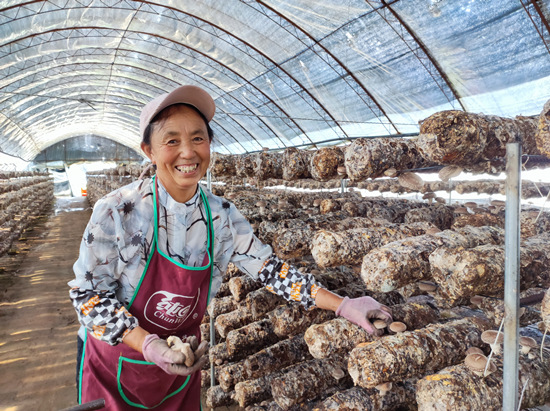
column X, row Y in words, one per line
column 117, row 242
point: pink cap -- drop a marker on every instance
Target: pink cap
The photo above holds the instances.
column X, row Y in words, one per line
column 192, row 95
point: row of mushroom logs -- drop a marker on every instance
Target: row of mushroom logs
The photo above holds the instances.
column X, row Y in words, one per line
column 100, row 183
column 469, row 141
column 241, row 361
column 24, row 196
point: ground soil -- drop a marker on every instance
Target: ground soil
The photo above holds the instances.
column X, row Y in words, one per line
column 38, row 325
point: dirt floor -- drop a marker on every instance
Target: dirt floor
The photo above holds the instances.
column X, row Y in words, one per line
column 38, row 325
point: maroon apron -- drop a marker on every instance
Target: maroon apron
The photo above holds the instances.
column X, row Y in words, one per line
column 170, row 299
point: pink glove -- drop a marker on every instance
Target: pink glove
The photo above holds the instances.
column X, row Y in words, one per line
column 360, row 310
column 156, row 350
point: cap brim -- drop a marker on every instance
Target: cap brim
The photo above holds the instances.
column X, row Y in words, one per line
column 192, row 95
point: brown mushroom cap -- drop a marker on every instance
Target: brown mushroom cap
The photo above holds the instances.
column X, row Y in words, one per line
column 379, row 324
column 477, row 364
column 449, row 172
column 261, row 203
column 411, row 181
column 384, row 387
column 461, row 210
column 440, row 200
column 470, row 204
column 338, row 373
column 397, row 327
column 474, row 350
column 390, row 172
column 428, row 195
column 476, row 300
column 527, row 342
column 492, row 337
column 427, row 286
column 341, row 170
column 498, row 203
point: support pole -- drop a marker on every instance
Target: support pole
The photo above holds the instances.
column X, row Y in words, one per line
column 212, row 329
column 511, row 277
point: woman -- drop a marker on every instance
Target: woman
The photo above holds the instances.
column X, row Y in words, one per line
column 154, row 253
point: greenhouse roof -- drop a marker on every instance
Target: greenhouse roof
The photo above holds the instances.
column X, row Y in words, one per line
column 282, row 73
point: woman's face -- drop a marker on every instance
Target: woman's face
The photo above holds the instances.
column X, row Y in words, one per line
column 180, row 148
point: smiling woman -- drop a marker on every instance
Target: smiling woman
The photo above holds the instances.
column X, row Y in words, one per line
column 160, row 248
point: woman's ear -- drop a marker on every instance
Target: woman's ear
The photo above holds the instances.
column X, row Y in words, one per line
column 147, row 150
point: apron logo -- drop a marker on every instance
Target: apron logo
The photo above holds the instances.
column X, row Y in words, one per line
column 169, row 311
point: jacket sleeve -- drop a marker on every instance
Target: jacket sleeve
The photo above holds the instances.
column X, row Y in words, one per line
column 98, row 272
column 257, row 260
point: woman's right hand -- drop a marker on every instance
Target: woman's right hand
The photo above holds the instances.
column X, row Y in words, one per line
column 156, row 350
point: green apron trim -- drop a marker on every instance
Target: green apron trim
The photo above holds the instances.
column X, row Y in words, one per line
column 210, row 243
column 121, row 359
column 81, row 371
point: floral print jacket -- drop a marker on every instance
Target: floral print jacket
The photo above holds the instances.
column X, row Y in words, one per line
column 117, row 242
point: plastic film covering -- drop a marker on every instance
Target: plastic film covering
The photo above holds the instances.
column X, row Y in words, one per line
column 282, row 73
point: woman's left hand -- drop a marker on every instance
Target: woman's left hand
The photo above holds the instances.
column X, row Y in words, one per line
column 360, row 310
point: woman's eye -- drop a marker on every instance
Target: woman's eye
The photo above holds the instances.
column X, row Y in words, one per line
column 198, row 139
column 172, row 142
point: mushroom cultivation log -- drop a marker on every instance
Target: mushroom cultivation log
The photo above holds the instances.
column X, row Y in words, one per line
column 461, row 138
column 251, row 337
column 400, row 396
column 439, row 215
column 410, row 354
column 261, row 301
column 240, row 286
column 264, row 362
column 232, row 320
column 402, row 262
column 308, row 380
column 221, row 306
column 369, row 158
column 457, row 388
column 477, row 220
column 223, row 165
column 542, row 136
column 480, row 270
column 296, row 164
column 339, row 336
column 268, row 229
column 245, row 165
column 294, row 319
column 296, row 241
column 218, row 353
column 216, row 397
column 324, row 163
column 268, row 165
column 332, row 248
column 254, row 391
